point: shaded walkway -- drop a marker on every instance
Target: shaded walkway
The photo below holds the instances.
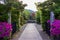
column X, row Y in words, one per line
column 30, row 33
column 42, row 33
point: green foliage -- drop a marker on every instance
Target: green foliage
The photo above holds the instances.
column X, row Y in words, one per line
column 3, row 17
column 48, row 6
column 15, row 8
column 45, row 12
column 3, row 13
column 38, row 17
column 2, row 7
column 26, row 14
column 21, row 20
column 15, row 17
column 5, row 38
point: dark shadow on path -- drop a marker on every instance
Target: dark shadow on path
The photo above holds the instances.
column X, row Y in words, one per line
column 19, row 33
column 42, row 33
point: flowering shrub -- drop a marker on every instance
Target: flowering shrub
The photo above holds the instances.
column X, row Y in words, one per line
column 55, row 27
column 5, row 29
column 48, row 21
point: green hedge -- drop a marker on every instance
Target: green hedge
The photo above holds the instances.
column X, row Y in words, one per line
column 45, row 17
column 3, row 13
column 15, row 17
column 38, row 17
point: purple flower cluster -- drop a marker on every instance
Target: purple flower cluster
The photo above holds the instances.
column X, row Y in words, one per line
column 5, row 29
column 55, row 27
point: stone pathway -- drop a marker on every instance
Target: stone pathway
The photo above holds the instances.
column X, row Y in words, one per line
column 42, row 33
column 30, row 33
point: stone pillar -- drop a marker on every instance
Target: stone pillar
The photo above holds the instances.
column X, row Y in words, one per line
column 9, row 18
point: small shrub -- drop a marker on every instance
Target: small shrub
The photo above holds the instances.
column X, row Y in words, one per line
column 5, row 30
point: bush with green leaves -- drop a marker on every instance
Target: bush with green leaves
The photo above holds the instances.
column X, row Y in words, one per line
column 15, row 18
column 38, row 17
column 3, row 13
column 46, row 7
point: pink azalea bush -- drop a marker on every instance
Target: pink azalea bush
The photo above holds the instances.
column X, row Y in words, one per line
column 5, row 29
column 55, row 27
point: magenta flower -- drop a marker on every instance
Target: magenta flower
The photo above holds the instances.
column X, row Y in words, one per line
column 5, row 29
column 55, row 27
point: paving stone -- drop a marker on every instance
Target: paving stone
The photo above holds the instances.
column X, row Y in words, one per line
column 30, row 33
